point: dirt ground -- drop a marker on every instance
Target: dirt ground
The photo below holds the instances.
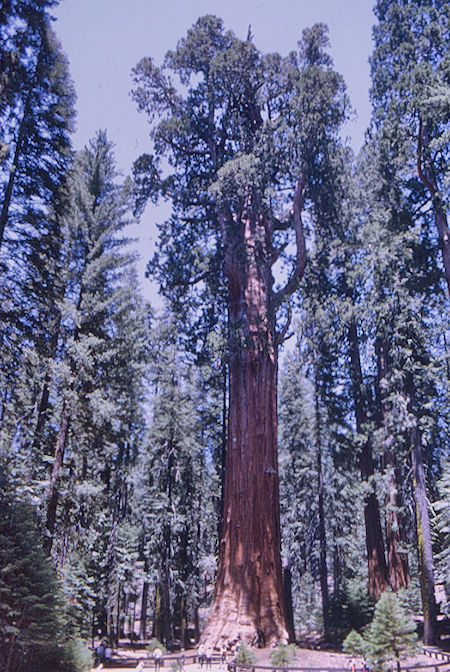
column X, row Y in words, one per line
column 318, row 658
column 315, row 659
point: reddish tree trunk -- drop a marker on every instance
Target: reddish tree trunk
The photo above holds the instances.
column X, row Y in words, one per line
column 376, row 559
column 288, row 602
column 248, row 603
column 398, row 566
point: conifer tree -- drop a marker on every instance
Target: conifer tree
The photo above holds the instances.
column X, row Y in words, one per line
column 34, row 199
column 410, row 95
column 174, row 489
column 33, row 629
column 392, row 633
column 242, row 138
column 406, row 365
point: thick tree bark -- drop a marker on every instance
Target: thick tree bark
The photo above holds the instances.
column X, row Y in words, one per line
column 398, row 566
column 248, row 603
column 158, row 623
column 376, row 559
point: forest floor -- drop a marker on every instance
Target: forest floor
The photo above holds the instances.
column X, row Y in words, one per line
column 314, row 659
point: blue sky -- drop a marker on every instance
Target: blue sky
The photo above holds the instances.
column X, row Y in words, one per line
column 104, row 39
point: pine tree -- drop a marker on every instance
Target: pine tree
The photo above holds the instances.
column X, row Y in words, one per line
column 392, row 633
column 32, row 617
column 34, row 199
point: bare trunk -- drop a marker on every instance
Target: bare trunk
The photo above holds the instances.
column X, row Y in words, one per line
column 440, row 219
column 54, row 492
column 322, row 535
column 376, row 559
column 287, row 591
column 223, row 453
column 248, row 601
column 144, row 604
column 158, row 629
column 184, row 644
column 117, row 631
column 395, row 528
column 424, row 542
column 398, row 566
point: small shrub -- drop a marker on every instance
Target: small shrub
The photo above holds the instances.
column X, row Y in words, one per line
column 283, row 654
column 155, row 644
column 244, row 655
column 79, row 655
column 354, row 644
column 392, row 634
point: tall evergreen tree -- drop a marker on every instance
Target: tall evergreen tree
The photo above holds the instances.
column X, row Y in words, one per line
column 33, row 631
column 410, row 95
column 404, row 367
column 175, row 490
column 242, row 140
column 34, row 199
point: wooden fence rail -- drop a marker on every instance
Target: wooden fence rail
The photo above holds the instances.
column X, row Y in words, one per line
column 181, row 660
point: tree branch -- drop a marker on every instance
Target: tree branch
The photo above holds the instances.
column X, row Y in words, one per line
column 300, row 261
column 281, row 336
column 432, row 187
column 277, row 225
column 194, row 281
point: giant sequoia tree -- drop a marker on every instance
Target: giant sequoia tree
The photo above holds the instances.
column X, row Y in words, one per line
column 242, row 133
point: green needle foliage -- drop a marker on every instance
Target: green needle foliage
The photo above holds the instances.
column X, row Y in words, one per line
column 33, row 629
column 245, row 655
column 283, row 654
column 390, row 637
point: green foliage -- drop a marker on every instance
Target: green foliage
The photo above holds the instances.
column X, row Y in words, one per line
column 390, row 637
column 354, row 644
column 351, row 605
column 78, row 656
column 283, row 654
column 33, row 623
column 245, row 126
column 30, row 612
column 245, row 655
column 155, row 644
